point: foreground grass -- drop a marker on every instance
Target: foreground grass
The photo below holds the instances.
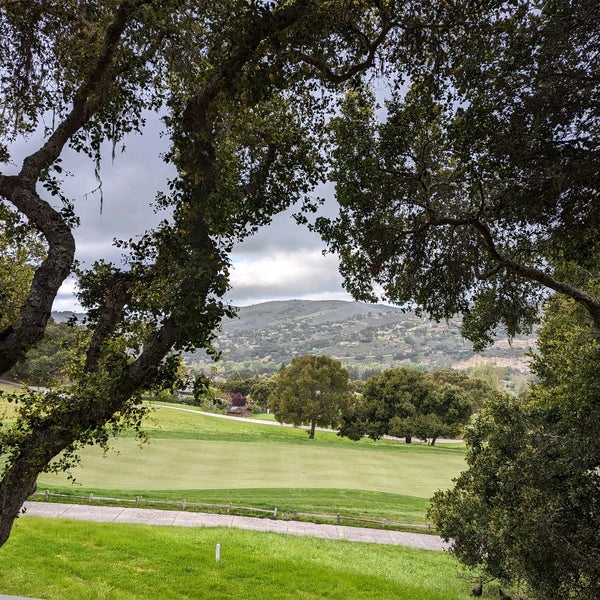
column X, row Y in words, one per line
column 63, row 560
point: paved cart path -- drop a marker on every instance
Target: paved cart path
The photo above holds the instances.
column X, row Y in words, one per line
column 151, row 516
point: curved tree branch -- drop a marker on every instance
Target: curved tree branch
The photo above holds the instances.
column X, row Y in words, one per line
column 591, row 305
column 20, row 191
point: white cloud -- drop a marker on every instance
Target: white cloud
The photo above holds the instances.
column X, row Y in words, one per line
column 282, row 261
column 302, row 274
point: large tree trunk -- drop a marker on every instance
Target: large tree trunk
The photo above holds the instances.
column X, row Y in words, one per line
column 57, row 431
column 313, row 426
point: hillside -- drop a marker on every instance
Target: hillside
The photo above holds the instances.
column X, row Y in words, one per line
column 363, row 336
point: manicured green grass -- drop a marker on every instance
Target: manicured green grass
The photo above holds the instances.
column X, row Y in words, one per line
column 194, row 464
column 218, row 460
column 63, row 560
column 262, row 416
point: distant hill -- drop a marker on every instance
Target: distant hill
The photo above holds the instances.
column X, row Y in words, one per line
column 63, row 316
column 363, row 336
column 366, row 338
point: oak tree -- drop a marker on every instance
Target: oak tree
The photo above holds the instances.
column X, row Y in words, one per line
column 243, row 89
column 408, row 403
column 477, row 192
column 313, row 391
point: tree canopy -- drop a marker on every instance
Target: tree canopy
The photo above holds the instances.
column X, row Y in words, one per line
column 527, row 508
column 243, row 89
column 477, row 193
column 408, row 403
column 312, row 390
column 51, row 360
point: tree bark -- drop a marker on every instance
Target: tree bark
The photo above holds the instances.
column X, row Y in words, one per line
column 60, row 429
column 20, row 190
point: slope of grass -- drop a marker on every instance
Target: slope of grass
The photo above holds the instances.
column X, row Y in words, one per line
column 62, row 560
column 206, row 459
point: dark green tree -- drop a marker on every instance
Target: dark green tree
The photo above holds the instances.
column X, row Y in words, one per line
column 409, row 403
column 478, row 194
column 447, row 410
column 51, row 360
column 237, row 384
column 389, row 404
column 476, row 388
column 243, row 88
column 261, row 390
column 527, row 509
column 313, row 391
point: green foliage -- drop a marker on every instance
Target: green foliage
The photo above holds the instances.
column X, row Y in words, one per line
column 478, row 193
column 312, row 390
column 53, row 359
column 236, row 384
column 243, row 89
column 20, row 251
column 527, row 509
column 261, row 390
column 409, row 403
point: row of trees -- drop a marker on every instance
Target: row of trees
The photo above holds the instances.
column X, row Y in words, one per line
column 316, row 391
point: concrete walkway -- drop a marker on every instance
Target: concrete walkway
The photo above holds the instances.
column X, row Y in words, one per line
column 150, row 516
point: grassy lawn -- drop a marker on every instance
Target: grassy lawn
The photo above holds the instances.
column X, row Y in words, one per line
column 216, row 460
column 63, row 560
column 262, row 416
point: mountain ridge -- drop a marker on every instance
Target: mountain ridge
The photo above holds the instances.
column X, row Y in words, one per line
column 364, row 337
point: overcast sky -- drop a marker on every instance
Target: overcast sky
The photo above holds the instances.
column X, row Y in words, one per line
column 282, row 261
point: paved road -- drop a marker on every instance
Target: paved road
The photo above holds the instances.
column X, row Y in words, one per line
column 150, row 516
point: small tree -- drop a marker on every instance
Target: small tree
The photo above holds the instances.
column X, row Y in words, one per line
column 312, row 390
column 261, row 390
column 237, row 399
column 446, row 411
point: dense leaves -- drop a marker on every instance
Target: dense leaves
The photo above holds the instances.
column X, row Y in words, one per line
column 479, row 190
column 527, row 508
column 52, row 359
column 409, row 403
column 312, row 390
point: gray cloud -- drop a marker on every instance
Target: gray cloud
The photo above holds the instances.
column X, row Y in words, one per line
column 283, row 260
